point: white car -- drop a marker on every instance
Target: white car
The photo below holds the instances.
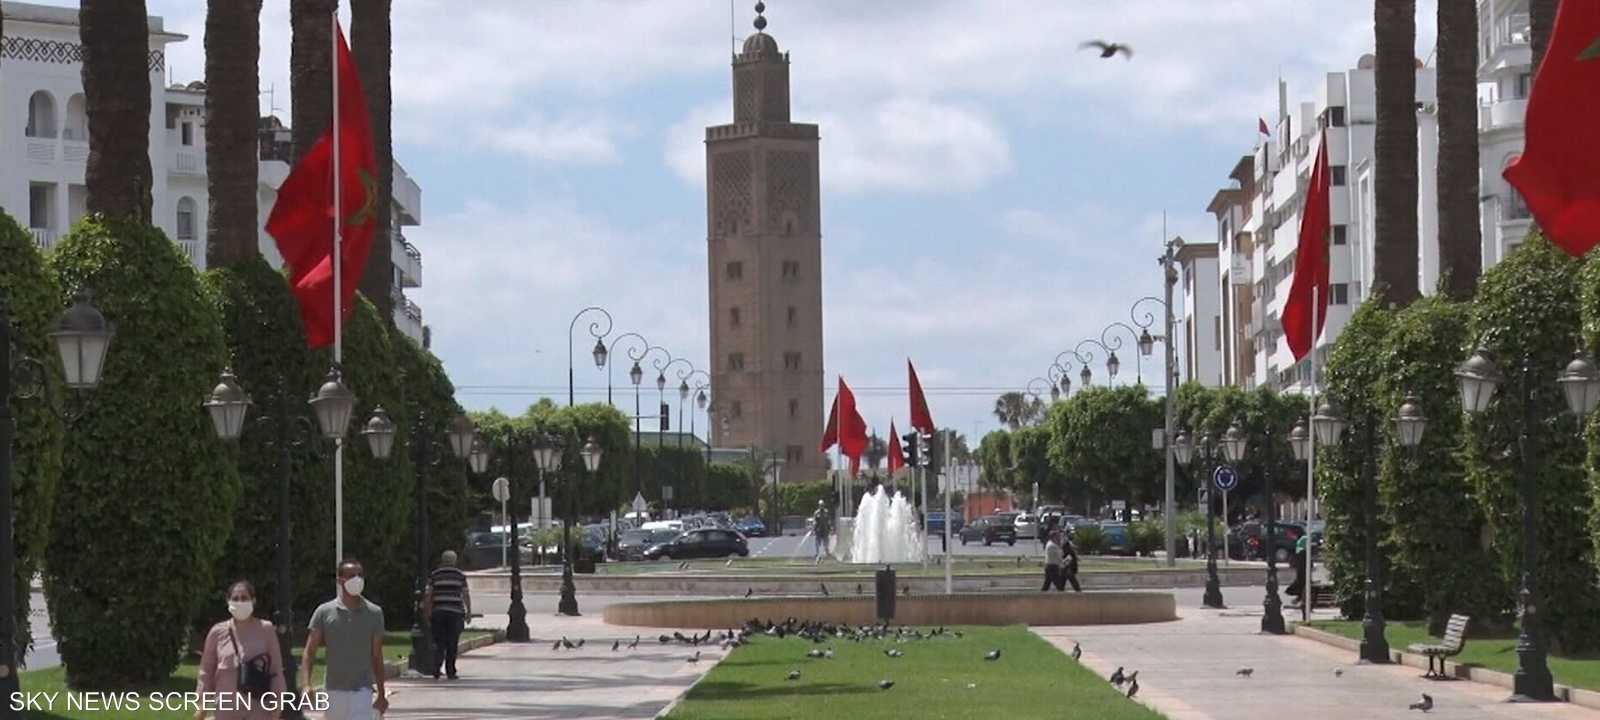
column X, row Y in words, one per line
column 1027, row 526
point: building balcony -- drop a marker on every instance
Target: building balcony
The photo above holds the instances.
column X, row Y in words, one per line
column 407, row 197
column 407, row 317
column 74, row 151
column 193, row 249
column 45, row 238
column 407, row 259
column 1502, row 115
column 186, row 162
column 41, row 150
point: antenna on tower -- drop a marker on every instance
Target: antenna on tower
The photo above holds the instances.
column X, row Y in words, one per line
column 733, row 35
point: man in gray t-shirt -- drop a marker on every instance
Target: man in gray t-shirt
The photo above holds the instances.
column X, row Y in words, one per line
column 352, row 630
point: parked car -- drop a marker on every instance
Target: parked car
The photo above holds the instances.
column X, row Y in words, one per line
column 1244, row 541
column 1027, row 526
column 702, row 543
column 990, row 530
column 750, row 526
column 936, row 523
column 1118, row 540
column 635, row 542
column 483, row 550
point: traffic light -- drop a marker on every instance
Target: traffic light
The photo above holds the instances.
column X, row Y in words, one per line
column 666, row 415
column 933, row 452
column 908, row 443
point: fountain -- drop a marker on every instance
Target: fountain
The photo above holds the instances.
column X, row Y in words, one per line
column 885, row 530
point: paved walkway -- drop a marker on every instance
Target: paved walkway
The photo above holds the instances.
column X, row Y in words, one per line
column 1186, row 670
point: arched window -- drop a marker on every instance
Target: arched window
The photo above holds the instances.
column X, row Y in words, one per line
column 77, row 124
column 41, row 115
column 186, row 213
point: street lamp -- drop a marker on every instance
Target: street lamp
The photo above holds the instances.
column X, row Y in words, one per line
column 333, row 404
column 1169, row 379
column 702, row 401
column 227, row 406
column 1113, row 343
column 1205, row 451
column 683, row 397
column 627, row 350
column 1479, row 377
column 1235, row 444
column 568, row 605
column 81, row 338
column 600, row 352
column 547, row 450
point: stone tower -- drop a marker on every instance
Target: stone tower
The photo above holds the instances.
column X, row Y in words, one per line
column 764, row 237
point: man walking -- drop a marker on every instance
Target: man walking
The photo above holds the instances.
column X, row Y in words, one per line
column 352, row 630
column 447, row 606
column 822, row 525
column 1053, row 573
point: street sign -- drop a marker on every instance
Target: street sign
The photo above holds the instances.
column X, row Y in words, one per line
column 1158, row 439
column 1225, row 478
column 502, row 489
column 639, row 505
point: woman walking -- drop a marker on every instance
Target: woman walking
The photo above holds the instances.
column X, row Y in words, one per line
column 241, row 663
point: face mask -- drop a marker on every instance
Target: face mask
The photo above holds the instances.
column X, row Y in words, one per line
column 355, row 585
column 241, row 609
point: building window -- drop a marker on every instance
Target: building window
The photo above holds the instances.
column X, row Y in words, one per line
column 735, row 361
column 1336, row 116
column 1340, row 235
column 186, row 134
column 1340, row 293
column 77, row 125
column 40, row 206
column 794, row 408
column 1517, row 208
column 1524, row 83
column 733, row 316
column 791, row 361
column 794, row 454
column 794, row 316
column 1218, row 324
column 791, row 269
column 1336, row 175
column 736, row 409
column 735, row 270
column 186, row 211
column 41, row 116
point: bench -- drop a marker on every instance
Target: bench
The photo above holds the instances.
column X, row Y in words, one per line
column 1450, row 647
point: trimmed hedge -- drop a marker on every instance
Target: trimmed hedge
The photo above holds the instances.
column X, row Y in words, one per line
column 1527, row 310
column 143, row 511
column 34, row 301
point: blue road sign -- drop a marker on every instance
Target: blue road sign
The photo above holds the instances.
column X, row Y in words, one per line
column 1225, row 478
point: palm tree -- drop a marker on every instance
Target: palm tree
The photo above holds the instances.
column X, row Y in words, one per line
column 1015, row 409
column 370, row 43
column 1460, row 249
column 233, row 52
column 116, row 93
column 1542, row 19
column 310, row 71
column 1395, row 149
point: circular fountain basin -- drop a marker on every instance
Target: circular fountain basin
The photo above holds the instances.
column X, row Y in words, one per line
column 1034, row 608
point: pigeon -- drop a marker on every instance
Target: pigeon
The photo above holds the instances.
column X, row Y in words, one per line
column 891, row 652
column 828, row 653
column 885, row 684
column 813, row 653
column 1132, row 677
column 1133, row 688
column 664, row 639
column 580, row 642
column 824, row 589
column 906, row 591
column 1108, row 49
column 567, row 643
column 556, row 646
column 1117, row 678
column 695, row 657
column 1245, row 672
column 858, row 588
column 794, row 674
column 1338, row 672
column 1425, row 705
column 992, row 655
column 749, row 591
column 1077, row 651
column 635, row 644
column 615, row 644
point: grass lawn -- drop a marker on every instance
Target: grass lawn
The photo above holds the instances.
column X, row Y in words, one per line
column 864, row 573
column 1497, row 653
column 396, row 646
column 936, row 678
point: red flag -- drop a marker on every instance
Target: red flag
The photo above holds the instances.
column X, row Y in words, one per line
column 897, row 458
column 852, row 428
column 920, row 418
column 1262, row 126
column 302, row 218
column 830, row 434
column 1310, row 263
column 1559, row 171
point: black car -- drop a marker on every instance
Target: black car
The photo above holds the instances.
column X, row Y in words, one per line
column 702, row 543
column 990, row 530
column 1245, row 540
column 635, row 542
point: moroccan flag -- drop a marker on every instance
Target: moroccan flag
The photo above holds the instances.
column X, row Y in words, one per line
column 1261, row 124
column 920, row 418
column 1559, row 171
column 1310, row 263
column 302, row 217
column 830, row 434
column 897, row 458
column 852, row 428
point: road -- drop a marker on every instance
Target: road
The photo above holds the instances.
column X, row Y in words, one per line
column 44, row 653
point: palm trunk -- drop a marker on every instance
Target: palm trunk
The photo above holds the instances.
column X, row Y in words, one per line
column 310, row 71
column 1542, row 18
column 371, row 44
column 1460, row 236
column 1395, row 81
column 233, row 52
column 116, row 91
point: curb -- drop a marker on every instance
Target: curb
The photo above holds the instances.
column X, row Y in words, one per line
column 666, row 711
column 1577, row 696
column 394, row 670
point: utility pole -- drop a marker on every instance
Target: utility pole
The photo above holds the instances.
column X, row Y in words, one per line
column 1170, row 370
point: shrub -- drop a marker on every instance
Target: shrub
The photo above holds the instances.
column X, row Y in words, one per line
column 1147, row 536
column 1089, row 540
column 146, row 496
column 33, row 300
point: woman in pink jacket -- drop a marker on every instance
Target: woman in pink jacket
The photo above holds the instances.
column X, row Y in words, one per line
column 231, row 645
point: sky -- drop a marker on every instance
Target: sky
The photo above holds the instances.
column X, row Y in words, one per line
column 991, row 195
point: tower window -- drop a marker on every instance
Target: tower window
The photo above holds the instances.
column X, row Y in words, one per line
column 733, row 316
column 1340, row 235
column 791, row 361
column 735, row 361
column 734, row 270
column 791, row 269
column 1336, row 175
column 794, row 454
column 794, row 316
column 794, row 408
column 1340, row 293
column 186, row 134
column 736, row 409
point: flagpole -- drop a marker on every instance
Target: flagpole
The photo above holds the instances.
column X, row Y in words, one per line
column 338, row 289
column 1311, row 458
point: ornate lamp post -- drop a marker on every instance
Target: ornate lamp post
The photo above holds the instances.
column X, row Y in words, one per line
column 81, row 337
column 1169, row 366
column 683, row 399
column 1205, row 451
column 636, row 376
column 629, row 351
column 701, row 401
column 568, row 605
column 547, row 451
column 600, row 351
column 1479, row 377
column 1113, row 343
column 1235, row 444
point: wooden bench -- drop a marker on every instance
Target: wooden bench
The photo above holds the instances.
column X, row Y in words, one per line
column 1454, row 639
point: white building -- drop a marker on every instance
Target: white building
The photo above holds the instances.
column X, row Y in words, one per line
column 1202, row 317
column 1505, row 75
column 43, row 154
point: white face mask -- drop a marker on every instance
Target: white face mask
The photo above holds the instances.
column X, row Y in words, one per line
column 355, row 585
column 241, row 609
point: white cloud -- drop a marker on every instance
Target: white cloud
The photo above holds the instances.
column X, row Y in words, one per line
column 575, row 140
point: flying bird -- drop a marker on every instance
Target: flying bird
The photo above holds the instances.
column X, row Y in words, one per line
column 992, row 655
column 1245, row 672
column 1133, row 688
column 1425, row 705
column 885, row 684
column 1108, row 49
column 794, row 674
column 1117, row 678
column 1077, row 651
